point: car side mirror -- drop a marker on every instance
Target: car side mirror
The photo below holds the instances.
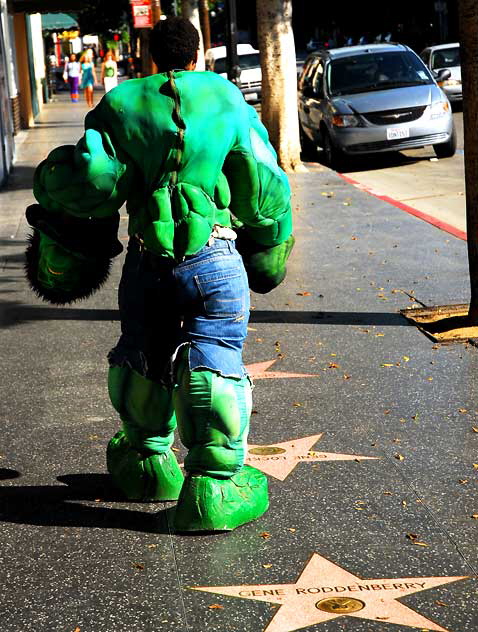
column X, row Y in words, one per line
column 444, row 74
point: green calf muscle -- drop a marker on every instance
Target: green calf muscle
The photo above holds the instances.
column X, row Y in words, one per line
column 139, row 457
column 213, row 420
column 145, row 408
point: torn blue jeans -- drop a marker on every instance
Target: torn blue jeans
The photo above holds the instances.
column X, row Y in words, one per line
column 203, row 301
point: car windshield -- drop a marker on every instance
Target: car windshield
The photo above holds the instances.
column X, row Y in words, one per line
column 251, row 60
column 375, row 71
column 446, row 58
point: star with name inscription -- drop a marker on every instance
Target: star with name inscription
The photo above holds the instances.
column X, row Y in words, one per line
column 325, row 591
column 279, row 459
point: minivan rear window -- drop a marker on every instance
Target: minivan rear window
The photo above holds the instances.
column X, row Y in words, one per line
column 375, row 71
column 251, row 60
column 446, row 58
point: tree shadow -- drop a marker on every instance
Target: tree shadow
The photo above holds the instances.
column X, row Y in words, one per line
column 58, row 506
column 329, row 318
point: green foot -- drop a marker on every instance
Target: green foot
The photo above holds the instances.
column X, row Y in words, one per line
column 157, row 477
column 211, row 504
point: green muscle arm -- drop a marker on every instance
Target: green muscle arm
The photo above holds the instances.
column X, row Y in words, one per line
column 87, row 179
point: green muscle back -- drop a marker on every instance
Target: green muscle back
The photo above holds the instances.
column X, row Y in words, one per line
column 163, row 144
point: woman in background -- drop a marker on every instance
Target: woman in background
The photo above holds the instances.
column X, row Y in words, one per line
column 71, row 75
column 88, row 76
column 109, row 72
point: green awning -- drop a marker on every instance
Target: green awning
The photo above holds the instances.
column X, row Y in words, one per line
column 58, row 22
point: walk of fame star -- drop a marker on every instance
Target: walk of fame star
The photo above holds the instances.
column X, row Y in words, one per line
column 258, row 371
column 279, row 459
column 325, row 591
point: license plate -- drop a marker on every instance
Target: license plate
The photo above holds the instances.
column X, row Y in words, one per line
column 394, row 133
column 252, row 96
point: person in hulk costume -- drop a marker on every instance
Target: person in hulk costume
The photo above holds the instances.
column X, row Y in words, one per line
column 196, row 169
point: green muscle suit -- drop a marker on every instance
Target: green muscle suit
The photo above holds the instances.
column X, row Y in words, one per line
column 187, row 154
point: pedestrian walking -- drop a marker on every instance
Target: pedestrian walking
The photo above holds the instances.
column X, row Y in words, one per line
column 187, row 153
column 109, row 72
column 88, row 76
column 71, row 75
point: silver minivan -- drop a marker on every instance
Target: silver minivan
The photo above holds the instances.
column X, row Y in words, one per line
column 372, row 98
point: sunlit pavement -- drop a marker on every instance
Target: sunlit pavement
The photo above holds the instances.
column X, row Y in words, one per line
column 418, row 179
column 368, row 433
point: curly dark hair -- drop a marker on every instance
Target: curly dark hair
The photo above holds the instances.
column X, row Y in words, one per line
column 173, row 43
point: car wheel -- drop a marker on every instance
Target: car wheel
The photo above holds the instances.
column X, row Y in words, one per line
column 333, row 156
column 448, row 149
column 309, row 148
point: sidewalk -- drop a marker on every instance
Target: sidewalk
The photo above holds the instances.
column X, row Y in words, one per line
column 367, row 430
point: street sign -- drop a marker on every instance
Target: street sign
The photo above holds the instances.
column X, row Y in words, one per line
column 142, row 16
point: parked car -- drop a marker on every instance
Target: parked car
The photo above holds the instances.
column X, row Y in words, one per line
column 373, row 98
column 445, row 56
column 250, row 65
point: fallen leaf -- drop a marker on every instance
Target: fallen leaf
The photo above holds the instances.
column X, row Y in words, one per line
column 462, row 410
column 77, row 630
column 297, row 404
column 353, row 238
column 333, row 365
column 388, row 493
column 440, row 603
column 292, row 530
column 474, row 428
column 265, row 534
column 152, row 546
column 140, row 567
column 346, row 377
column 421, row 544
column 402, row 420
column 462, row 481
column 267, row 566
column 406, row 359
column 399, row 457
column 387, row 364
column 380, row 335
column 387, row 411
column 404, row 503
column 475, row 465
column 474, row 516
column 416, row 417
column 215, row 606
column 304, row 293
column 175, row 449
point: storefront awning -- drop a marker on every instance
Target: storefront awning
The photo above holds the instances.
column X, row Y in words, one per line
column 58, row 22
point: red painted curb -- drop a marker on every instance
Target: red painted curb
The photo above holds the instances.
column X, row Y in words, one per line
column 448, row 228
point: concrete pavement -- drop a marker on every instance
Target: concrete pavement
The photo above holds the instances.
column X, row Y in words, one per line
column 367, row 430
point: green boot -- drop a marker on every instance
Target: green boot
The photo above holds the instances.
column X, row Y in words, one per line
column 153, row 477
column 211, row 504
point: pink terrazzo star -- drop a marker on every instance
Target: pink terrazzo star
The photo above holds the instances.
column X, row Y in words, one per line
column 258, row 371
column 279, row 459
column 323, row 586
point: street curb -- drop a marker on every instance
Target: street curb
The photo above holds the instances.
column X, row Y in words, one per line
column 448, row 228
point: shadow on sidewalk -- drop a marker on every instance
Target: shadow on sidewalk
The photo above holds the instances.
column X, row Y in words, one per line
column 57, row 506
column 12, row 313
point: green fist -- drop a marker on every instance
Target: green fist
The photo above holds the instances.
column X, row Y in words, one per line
column 265, row 265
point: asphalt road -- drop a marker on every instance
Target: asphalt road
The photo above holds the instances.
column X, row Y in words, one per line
column 419, row 180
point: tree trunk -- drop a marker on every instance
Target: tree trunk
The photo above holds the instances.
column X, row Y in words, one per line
column 279, row 80
column 205, row 26
column 190, row 10
column 468, row 16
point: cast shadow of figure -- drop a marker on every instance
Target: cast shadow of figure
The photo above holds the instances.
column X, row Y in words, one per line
column 60, row 506
column 6, row 473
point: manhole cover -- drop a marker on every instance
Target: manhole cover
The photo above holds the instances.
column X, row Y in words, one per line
column 340, row 605
column 266, row 449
